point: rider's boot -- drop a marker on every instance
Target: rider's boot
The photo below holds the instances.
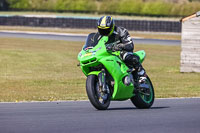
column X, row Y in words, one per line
column 140, row 78
column 142, row 82
column 141, row 74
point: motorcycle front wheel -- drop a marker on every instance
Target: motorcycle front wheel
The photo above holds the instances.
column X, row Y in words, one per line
column 142, row 100
column 98, row 99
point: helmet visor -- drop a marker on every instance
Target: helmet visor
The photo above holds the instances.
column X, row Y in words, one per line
column 104, row 32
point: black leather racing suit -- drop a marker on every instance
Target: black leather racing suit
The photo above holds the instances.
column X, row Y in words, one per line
column 121, row 41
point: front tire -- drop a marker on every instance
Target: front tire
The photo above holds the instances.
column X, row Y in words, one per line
column 94, row 95
column 143, row 101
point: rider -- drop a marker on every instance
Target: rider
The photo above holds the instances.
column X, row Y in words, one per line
column 121, row 41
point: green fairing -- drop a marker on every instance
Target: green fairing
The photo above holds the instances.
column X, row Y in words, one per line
column 94, row 73
column 141, row 54
column 98, row 55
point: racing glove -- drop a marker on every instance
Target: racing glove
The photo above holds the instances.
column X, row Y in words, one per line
column 117, row 47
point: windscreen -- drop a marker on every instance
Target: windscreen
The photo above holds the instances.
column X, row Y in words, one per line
column 92, row 41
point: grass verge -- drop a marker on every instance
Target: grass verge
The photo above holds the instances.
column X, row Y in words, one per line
column 45, row 70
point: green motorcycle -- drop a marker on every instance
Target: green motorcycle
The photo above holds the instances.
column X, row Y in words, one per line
column 108, row 77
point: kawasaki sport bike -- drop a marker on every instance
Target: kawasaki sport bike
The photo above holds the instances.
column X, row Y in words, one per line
column 110, row 79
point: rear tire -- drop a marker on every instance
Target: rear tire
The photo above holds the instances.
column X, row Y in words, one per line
column 142, row 101
column 92, row 89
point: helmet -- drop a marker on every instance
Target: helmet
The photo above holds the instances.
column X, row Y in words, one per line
column 106, row 25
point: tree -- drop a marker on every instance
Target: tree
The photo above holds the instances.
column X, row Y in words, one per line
column 3, row 5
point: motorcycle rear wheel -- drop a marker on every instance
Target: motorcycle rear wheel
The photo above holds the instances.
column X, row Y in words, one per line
column 143, row 101
column 94, row 95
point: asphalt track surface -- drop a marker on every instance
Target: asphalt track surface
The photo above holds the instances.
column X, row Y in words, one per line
column 165, row 116
column 74, row 37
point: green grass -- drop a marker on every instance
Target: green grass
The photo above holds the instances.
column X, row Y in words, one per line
column 45, row 70
column 40, row 70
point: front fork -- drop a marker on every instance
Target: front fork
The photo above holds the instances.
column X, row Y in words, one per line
column 103, row 88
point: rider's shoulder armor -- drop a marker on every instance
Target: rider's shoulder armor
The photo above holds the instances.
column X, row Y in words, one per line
column 121, row 31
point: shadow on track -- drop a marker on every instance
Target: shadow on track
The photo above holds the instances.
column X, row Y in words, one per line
column 130, row 108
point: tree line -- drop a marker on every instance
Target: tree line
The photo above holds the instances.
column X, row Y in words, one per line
column 121, row 7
